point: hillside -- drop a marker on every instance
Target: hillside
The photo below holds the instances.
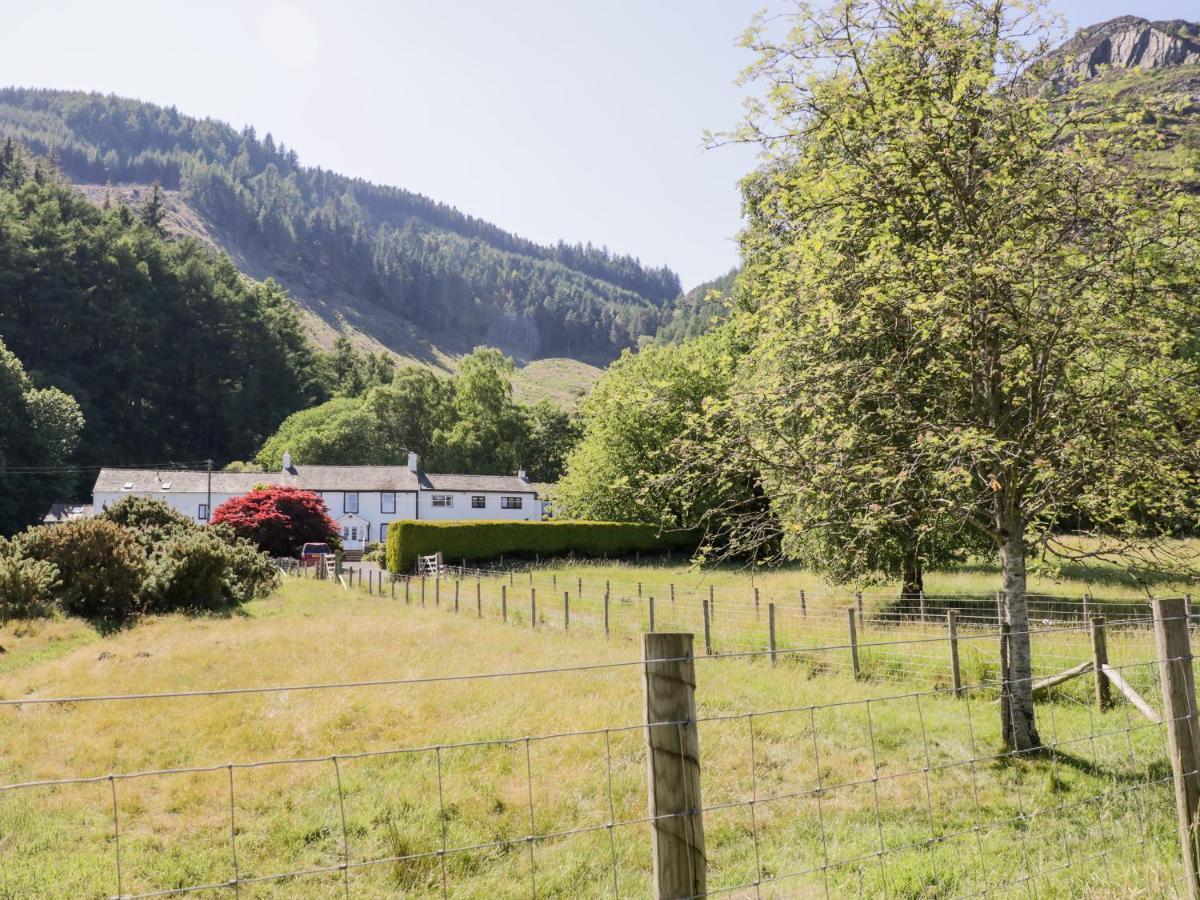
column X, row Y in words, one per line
column 390, row 266
column 1130, row 73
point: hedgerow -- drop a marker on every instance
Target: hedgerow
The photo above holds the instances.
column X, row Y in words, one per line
column 478, row 541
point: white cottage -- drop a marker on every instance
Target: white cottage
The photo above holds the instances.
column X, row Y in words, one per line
column 362, row 500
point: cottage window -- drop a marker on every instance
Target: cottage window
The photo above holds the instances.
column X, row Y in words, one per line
column 510, row 502
column 479, row 501
column 202, row 512
column 443, row 500
column 387, row 502
column 350, row 504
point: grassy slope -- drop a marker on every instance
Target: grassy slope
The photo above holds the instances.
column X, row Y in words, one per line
column 564, row 382
column 175, row 829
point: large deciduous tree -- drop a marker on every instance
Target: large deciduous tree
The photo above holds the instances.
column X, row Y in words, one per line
column 39, row 430
column 963, row 314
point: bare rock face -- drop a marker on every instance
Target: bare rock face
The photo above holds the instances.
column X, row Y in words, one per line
column 1128, row 42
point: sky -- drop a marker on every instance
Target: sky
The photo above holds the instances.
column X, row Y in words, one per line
column 580, row 120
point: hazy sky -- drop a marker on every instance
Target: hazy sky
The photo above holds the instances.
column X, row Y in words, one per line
column 551, row 118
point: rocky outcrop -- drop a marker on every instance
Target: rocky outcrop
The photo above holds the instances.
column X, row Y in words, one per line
column 1128, row 42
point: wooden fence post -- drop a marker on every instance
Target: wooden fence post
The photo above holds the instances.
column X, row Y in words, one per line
column 478, row 599
column 672, row 595
column 1099, row 661
column 533, row 607
column 921, row 601
column 422, row 590
column 707, row 629
column 955, row 671
column 673, row 763
column 756, row 603
column 437, row 590
column 504, row 603
column 578, row 588
column 566, row 610
column 803, row 605
column 651, row 609
column 407, row 589
column 456, row 583
column 606, row 609
column 771, row 629
column 853, row 641
column 1173, row 645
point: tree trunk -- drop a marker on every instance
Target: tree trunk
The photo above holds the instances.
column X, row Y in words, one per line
column 912, row 578
column 1020, row 730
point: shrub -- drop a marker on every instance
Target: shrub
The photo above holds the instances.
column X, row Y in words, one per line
column 488, row 540
column 251, row 572
column 278, row 520
column 101, row 566
column 145, row 512
column 27, row 587
column 190, row 570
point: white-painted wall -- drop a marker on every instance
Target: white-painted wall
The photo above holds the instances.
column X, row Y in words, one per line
column 370, row 506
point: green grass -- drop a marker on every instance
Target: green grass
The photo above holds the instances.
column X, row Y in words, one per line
column 862, row 786
column 564, row 382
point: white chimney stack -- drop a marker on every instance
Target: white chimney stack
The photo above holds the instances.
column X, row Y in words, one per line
column 521, row 474
column 414, row 463
column 287, row 461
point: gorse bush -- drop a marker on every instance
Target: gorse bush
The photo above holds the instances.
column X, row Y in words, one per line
column 102, row 566
column 27, row 586
column 137, row 557
column 144, row 512
column 489, row 540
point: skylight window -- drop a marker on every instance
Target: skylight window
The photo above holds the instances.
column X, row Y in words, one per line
column 166, row 485
column 128, row 486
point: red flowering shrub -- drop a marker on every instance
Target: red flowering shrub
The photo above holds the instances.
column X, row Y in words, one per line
column 280, row 520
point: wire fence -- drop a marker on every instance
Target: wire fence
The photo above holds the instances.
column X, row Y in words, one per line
column 896, row 641
column 851, row 787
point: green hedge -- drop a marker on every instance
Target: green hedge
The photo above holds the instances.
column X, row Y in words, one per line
column 489, row 540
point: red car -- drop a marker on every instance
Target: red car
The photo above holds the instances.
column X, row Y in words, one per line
column 310, row 554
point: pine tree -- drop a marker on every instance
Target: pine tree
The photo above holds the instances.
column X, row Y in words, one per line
column 154, row 210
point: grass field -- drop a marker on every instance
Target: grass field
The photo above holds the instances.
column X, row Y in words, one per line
column 888, row 792
column 564, row 382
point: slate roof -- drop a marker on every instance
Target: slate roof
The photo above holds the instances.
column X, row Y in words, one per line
column 509, row 484
column 66, row 512
column 311, row 478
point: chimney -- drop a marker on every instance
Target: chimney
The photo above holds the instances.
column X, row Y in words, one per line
column 414, row 463
column 287, row 461
column 521, row 474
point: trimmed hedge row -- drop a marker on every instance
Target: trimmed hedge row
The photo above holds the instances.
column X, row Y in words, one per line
column 489, row 540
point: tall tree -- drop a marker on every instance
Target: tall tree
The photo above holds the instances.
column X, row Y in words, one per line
column 955, row 305
column 39, row 430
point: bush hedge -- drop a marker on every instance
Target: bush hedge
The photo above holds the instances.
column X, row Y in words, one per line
column 488, row 540
column 137, row 557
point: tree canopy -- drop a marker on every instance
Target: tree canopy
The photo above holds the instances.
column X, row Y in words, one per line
column 467, row 422
column 420, row 260
column 39, row 430
column 962, row 315
column 172, row 355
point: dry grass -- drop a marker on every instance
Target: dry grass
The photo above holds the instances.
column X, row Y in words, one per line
column 1103, row 833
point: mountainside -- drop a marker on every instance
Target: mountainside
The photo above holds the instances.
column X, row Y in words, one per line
column 417, row 276
column 1130, row 73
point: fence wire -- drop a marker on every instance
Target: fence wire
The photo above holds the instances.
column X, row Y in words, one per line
column 857, row 789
